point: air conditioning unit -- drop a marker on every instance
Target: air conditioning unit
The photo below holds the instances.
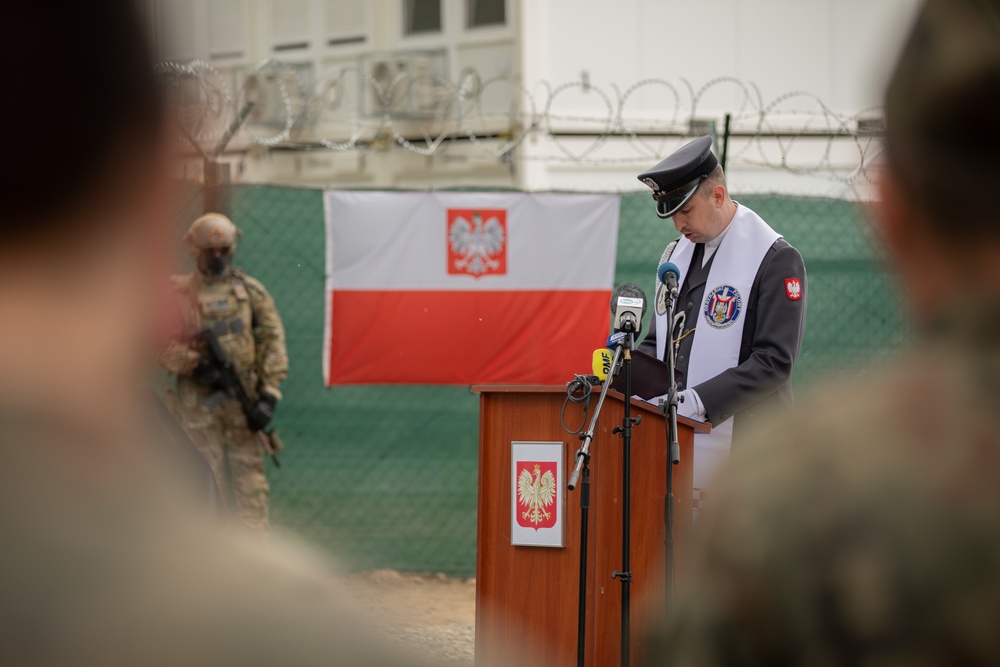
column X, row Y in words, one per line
column 269, row 88
column 409, row 83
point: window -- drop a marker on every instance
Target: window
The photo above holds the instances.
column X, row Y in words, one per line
column 346, row 22
column 290, row 24
column 421, row 16
column 486, row 12
column 226, row 29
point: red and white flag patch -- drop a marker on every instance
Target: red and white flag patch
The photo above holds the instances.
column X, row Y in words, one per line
column 793, row 288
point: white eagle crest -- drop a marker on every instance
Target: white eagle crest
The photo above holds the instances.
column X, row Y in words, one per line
column 476, row 243
column 536, row 493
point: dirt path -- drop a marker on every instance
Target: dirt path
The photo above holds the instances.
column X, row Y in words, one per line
column 428, row 613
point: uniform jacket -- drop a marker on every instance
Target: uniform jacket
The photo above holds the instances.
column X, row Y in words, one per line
column 772, row 337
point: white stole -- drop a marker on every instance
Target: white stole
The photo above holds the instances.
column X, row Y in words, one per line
column 716, row 345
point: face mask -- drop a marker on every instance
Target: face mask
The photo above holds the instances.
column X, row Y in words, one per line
column 215, row 264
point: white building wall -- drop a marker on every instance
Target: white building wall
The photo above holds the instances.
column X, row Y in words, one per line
column 840, row 52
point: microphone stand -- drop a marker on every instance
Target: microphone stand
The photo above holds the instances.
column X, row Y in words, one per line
column 583, row 466
column 669, row 409
column 625, row 432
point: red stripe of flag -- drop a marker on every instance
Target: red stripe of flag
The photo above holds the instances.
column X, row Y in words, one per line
column 465, row 337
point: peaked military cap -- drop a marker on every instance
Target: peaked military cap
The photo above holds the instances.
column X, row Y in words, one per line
column 675, row 180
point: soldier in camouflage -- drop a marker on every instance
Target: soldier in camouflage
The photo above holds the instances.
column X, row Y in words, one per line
column 239, row 310
column 865, row 530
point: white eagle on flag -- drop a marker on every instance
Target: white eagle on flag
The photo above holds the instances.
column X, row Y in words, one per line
column 476, row 243
column 536, row 493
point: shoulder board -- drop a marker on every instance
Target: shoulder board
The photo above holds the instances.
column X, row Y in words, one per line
column 253, row 284
column 665, row 257
column 250, row 285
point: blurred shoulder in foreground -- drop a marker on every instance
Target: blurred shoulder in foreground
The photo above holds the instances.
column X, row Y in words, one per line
column 103, row 561
column 865, row 526
column 863, row 530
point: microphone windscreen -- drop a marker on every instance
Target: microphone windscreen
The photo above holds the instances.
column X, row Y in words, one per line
column 629, row 290
column 601, row 366
column 665, row 268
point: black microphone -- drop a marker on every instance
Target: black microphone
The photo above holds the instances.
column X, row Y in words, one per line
column 628, row 305
column 669, row 274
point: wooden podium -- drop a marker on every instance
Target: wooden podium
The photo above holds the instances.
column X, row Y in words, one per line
column 526, row 597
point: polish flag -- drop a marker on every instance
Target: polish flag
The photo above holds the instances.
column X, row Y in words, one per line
column 466, row 288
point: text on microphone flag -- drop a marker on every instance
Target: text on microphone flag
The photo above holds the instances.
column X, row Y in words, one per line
column 629, row 302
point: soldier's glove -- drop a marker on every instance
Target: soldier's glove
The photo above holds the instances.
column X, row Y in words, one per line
column 262, row 412
column 207, row 375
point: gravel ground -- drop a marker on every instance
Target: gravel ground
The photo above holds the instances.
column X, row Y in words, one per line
column 429, row 614
column 443, row 644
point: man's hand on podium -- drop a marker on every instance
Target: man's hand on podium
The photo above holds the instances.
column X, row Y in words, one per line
column 688, row 404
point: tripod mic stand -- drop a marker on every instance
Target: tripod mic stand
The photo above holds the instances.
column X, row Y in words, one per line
column 669, row 409
column 625, row 432
column 583, row 466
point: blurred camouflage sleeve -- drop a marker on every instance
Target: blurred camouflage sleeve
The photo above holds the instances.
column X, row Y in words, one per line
column 269, row 334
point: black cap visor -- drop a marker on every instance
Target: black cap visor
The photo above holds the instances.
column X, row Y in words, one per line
column 668, row 203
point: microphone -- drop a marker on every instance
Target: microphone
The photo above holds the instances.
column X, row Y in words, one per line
column 601, row 366
column 615, row 339
column 628, row 305
column 669, row 274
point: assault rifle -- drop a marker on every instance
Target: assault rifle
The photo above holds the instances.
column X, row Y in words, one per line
column 231, row 386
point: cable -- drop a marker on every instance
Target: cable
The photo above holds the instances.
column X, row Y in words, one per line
column 578, row 391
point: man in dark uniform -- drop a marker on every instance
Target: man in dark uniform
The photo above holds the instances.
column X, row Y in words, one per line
column 740, row 313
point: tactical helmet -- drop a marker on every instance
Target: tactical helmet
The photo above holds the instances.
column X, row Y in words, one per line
column 212, row 230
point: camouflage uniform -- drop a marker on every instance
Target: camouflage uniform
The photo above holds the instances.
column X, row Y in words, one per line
column 243, row 315
column 865, row 530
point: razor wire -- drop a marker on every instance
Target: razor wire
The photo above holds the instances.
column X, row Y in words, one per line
column 346, row 108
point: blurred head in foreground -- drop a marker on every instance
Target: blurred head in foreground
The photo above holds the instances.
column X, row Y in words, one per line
column 101, row 564
column 939, row 216
column 863, row 529
column 81, row 209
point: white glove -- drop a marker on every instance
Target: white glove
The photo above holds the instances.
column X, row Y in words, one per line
column 688, row 404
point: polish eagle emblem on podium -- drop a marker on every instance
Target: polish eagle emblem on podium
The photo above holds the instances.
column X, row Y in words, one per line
column 536, row 494
column 477, row 242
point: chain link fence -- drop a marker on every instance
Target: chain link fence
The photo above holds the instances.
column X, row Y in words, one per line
column 385, row 477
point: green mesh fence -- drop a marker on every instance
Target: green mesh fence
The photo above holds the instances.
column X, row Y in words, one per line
column 385, row 477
